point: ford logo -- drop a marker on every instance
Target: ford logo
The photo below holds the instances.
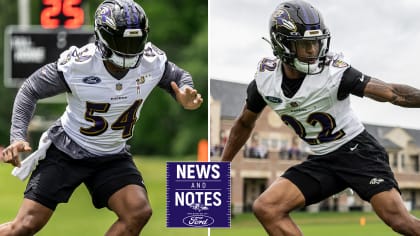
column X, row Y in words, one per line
column 273, row 99
column 91, row 80
column 198, row 221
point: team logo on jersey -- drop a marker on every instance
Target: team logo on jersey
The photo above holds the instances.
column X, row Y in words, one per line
column 118, row 86
column 376, row 181
column 152, row 50
column 82, row 55
column 340, row 64
column 64, row 60
column 91, row 80
column 273, row 99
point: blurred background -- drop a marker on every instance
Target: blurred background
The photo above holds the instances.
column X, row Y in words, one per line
column 164, row 132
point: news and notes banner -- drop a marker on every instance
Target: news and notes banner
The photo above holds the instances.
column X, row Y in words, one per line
column 198, row 194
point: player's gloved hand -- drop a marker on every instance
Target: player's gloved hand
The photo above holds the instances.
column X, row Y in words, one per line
column 188, row 97
column 11, row 153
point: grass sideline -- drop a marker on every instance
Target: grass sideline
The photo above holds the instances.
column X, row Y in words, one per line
column 315, row 224
column 79, row 217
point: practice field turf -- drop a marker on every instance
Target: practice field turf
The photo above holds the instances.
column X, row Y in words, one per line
column 315, row 224
column 79, row 217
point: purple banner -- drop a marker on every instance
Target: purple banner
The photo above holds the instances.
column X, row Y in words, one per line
column 198, row 194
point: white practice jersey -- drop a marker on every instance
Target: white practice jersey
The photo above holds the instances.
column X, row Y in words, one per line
column 102, row 111
column 314, row 112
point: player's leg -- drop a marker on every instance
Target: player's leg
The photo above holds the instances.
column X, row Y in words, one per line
column 389, row 206
column 299, row 186
column 132, row 208
column 118, row 185
column 31, row 217
column 272, row 207
column 52, row 182
column 367, row 171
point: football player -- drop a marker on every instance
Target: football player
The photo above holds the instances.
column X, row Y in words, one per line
column 309, row 88
column 106, row 83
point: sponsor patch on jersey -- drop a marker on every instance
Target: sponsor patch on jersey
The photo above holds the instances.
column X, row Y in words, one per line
column 273, row 99
column 91, row 80
column 340, row 64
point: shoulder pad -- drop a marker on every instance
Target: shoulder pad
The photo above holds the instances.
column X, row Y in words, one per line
column 75, row 54
column 340, row 64
column 268, row 64
column 266, row 70
column 153, row 55
column 336, row 60
column 150, row 50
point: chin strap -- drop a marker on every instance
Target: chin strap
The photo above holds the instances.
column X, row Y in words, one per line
column 306, row 68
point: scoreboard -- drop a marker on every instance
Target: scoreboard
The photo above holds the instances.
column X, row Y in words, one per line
column 67, row 13
column 26, row 49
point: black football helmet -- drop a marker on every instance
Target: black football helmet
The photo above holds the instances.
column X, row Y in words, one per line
column 121, row 29
column 295, row 23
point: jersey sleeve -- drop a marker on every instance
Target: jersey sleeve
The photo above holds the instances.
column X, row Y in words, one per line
column 352, row 82
column 65, row 60
column 45, row 82
column 254, row 101
column 77, row 59
column 174, row 73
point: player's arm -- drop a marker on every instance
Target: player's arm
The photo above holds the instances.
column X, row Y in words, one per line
column 43, row 83
column 239, row 133
column 244, row 124
column 356, row 83
column 179, row 84
column 398, row 94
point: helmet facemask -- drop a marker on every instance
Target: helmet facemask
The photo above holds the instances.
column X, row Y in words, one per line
column 128, row 50
column 288, row 50
column 297, row 24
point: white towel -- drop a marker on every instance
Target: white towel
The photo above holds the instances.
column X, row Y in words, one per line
column 29, row 164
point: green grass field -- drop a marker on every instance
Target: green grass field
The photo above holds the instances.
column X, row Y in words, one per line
column 79, row 217
column 314, row 224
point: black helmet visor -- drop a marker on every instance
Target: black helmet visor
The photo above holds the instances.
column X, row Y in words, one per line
column 130, row 42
